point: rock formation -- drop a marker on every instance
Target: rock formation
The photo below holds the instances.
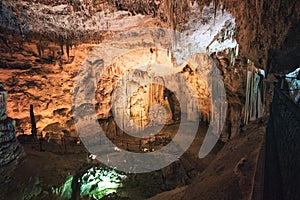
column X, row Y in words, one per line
column 44, row 45
column 10, row 149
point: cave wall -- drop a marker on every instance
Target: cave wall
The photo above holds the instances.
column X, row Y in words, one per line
column 266, row 31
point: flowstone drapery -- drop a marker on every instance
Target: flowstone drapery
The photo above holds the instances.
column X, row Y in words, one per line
column 254, row 105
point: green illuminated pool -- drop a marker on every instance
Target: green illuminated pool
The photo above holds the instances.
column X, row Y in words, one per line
column 95, row 183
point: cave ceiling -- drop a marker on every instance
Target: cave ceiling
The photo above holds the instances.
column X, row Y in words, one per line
column 267, row 31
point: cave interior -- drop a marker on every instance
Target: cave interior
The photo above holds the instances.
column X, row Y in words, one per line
column 149, row 99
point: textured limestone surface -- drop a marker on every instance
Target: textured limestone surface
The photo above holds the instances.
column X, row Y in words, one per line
column 40, row 69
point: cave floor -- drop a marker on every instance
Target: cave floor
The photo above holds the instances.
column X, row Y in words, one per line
column 236, row 172
column 231, row 166
column 38, row 171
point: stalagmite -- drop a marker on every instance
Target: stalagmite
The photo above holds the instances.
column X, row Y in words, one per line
column 33, row 124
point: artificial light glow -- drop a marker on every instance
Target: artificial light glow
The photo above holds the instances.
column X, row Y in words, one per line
column 294, row 84
column 95, row 183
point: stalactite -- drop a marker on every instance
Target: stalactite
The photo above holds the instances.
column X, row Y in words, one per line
column 237, row 51
column 215, row 3
column 254, row 97
column 248, row 92
column 254, row 105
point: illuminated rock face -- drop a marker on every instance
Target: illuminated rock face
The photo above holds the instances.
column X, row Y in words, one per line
column 123, row 90
column 9, row 146
column 49, row 84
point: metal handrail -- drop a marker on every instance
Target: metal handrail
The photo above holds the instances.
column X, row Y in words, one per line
column 291, row 89
column 293, row 107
